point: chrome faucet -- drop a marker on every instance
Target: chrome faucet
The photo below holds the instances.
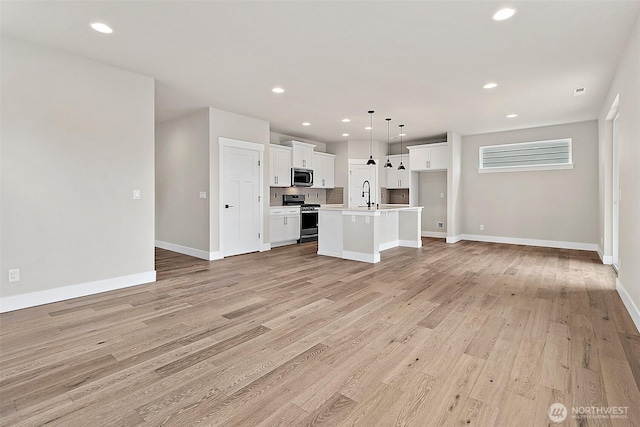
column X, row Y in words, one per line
column 368, row 193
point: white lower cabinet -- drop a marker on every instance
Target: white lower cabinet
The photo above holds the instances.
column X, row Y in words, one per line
column 285, row 225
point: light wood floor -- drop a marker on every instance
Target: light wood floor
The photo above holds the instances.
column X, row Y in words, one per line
column 465, row 334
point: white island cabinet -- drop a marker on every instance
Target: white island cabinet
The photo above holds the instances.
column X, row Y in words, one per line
column 360, row 234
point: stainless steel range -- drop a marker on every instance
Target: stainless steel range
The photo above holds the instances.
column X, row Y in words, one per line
column 308, row 216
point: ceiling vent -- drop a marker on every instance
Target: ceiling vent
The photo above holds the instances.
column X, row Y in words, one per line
column 579, row 91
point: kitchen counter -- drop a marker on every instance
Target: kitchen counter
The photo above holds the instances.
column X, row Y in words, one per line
column 360, row 233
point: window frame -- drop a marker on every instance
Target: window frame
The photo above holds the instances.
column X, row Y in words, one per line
column 526, row 168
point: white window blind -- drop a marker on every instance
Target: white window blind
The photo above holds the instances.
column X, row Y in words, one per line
column 537, row 155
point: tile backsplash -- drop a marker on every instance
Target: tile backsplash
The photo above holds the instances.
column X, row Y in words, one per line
column 394, row 196
column 312, row 195
column 335, row 196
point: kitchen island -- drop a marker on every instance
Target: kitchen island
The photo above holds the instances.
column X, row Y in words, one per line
column 360, row 234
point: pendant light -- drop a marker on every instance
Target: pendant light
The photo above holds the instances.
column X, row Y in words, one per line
column 388, row 164
column 401, row 166
column 371, row 161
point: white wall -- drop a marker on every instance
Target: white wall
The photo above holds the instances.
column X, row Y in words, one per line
column 626, row 85
column 182, row 172
column 559, row 205
column 455, row 203
column 77, row 139
column 234, row 126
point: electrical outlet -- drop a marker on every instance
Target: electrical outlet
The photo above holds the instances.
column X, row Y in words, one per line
column 442, row 195
column 440, row 224
column 481, row 227
column 367, row 219
column 353, row 218
column 203, row 194
column 14, row 275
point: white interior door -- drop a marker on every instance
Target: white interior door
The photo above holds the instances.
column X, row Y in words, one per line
column 240, row 198
column 358, row 174
column 616, row 195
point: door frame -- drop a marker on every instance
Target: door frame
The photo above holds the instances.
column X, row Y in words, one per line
column 246, row 145
column 615, row 219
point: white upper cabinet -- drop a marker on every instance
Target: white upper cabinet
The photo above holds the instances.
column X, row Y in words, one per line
column 428, row 157
column 280, row 166
column 302, row 154
column 398, row 178
column 323, row 170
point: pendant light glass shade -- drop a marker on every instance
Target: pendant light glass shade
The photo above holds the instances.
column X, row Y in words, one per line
column 388, row 164
column 401, row 166
column 371, row 161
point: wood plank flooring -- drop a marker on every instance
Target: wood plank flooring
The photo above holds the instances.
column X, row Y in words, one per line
column 472, row 333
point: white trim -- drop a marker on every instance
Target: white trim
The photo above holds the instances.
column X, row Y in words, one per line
column 438, row 234
column 265, row 247
column 631, row 307
column 197, row 253
column 454, row 239
column 606, row 259
column 388, row 245
column 361, row 256
column 411, row 243
column 32, row 299
column 283, row 243
column 525, row 168
column 532, row 242
column 331, row 254
column 247, row 145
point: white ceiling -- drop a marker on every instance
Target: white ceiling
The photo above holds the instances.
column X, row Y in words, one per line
column 422, row 63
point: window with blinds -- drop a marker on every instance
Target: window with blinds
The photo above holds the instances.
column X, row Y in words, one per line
column 526, row 156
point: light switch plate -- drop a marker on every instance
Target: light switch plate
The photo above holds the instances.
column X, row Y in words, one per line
column 203, row 194
column 136, row 194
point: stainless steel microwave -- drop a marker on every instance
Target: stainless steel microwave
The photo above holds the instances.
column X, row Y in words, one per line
column 301, row 177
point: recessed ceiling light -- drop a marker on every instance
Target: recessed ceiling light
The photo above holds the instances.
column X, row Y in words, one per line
column 306, row 124
column 277, row 89
column 346, row 120
column 345, row 134
column 504, row 13
column 101, row 28
column 368, row 128
column 490, row 85
column 511, row 116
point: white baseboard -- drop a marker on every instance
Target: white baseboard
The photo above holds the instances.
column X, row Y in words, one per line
column 388, row 245
column 32, row 299
column 329, row 253
column 410, row 243
column 361, row 256
column 265, row 247
column 454, row 239
column 531, row 242
column 284, row 243
column 197, row 253
column 631, row 307
column 606, row 259
column 437, row 234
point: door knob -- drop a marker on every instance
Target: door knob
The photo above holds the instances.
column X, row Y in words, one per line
column 228, row 206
